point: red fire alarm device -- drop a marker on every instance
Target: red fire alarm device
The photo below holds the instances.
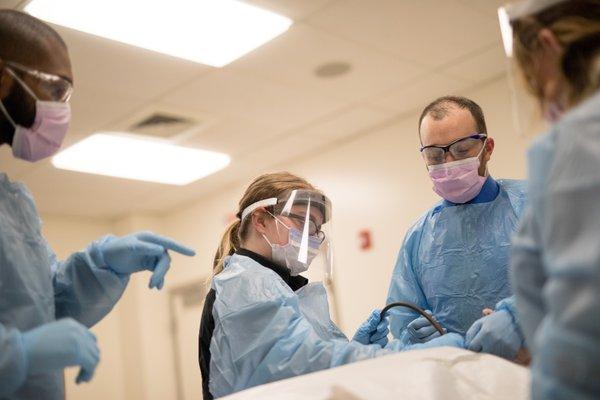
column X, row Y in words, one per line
column 365, row 239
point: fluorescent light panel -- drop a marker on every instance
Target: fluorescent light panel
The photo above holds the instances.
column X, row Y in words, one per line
column 213, row 32
column 122, row 156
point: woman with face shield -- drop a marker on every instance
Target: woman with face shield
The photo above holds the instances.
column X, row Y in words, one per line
column 262, row 320
column 556, row 252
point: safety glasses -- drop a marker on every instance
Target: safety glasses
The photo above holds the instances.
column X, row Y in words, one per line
column 460, row 149
column 49, row 86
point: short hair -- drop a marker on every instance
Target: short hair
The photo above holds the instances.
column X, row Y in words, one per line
column 23, row 37
column 440, row 108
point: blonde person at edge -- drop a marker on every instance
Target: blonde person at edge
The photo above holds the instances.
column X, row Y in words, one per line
column 556, row 251
column 262, row 321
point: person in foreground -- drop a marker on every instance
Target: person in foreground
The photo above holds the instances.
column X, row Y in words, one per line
column 556, row 251
column 262, row 321
column 46, row 305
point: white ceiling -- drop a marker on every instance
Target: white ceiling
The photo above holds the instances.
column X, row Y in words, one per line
column 268, row 106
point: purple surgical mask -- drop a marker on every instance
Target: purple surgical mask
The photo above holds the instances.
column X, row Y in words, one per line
column 458, row 181
column 45, row 136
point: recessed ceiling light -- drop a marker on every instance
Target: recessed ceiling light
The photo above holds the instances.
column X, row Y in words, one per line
column 123, row 156
column 213, row 32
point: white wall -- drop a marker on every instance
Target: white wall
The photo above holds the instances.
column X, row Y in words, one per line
column 376, row 182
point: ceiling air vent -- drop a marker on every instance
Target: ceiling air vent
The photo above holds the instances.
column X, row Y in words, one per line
column 163, row 125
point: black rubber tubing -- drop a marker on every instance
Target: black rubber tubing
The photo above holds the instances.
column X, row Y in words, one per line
column 413, row 307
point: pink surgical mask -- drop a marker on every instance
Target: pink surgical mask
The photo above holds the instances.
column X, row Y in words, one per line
column 44, row 138
column 458, row 181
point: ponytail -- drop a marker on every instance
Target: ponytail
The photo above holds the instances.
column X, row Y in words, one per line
column 265, row 186
column 229, row 244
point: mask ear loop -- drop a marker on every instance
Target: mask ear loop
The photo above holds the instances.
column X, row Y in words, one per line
column 4, row 110
column 27, row 89
column 277, row 222
column 22, row 83
column 481, row 153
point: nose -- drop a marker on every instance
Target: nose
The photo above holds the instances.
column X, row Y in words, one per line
column 448, row 157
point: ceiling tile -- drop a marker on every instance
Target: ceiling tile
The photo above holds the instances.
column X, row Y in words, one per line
column 233, row 136
column 9, row 3
column 292, row 58
column 427, row 32
column 487, row 7
column 487, row 64
column 127, row 70
column 95, row 107
column 294, row 9
column 233, row 94
column 419, row 93
column 344, row 124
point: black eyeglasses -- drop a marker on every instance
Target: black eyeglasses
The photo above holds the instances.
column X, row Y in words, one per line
column 313, row 229
column 460, row 149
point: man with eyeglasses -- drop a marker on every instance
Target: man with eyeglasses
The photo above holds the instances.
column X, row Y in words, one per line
column 454, row 260
column 46, row 305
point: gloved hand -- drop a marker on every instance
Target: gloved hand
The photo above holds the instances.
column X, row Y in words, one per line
column 142, row 251
column 496, row 334
column 421, row 330
column 372, row 331
column 451, row 339
column 60, row 344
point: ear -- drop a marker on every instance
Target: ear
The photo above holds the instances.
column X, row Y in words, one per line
column 489, row 149
column 549, row 42
column 259, row 219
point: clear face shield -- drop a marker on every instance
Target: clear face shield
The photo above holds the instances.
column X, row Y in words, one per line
column 525, row 111
column 527, row 117
column 304, row 218
column 307, row 214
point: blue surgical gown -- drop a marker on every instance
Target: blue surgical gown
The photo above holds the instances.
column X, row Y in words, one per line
column 35, row 288
column 265, row 332
column 556, row 258
column 455, row 259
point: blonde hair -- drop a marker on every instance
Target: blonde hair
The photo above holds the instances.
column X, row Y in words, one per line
column 266, row 186
column 576, row 24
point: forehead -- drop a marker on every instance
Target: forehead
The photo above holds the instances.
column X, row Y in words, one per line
column 456, row 124
column 47, row 55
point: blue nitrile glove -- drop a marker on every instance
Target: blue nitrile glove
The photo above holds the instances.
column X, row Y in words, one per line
column 373, row 331
column 497, row 333
column 142, row 251
column 60, row 344
column 421, row 330
column 451, row 339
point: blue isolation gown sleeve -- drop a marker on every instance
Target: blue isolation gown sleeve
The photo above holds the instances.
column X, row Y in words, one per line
column 84, row 288
column 13, row 368
column 565, row 225
column 405, row 286
column 261, row 334
column 527, row 268
column 528, row 277
column 509, row 304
